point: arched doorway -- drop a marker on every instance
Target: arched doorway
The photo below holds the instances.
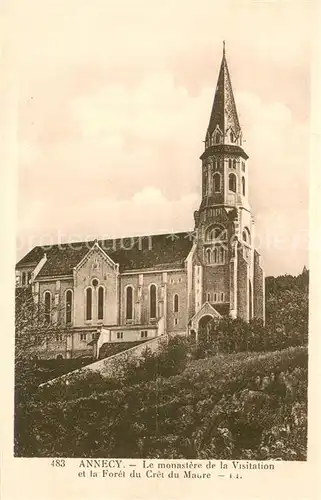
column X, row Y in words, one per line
column 204, row 320
column 203, row 326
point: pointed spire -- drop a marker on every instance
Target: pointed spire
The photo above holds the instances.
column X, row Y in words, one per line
column 224, row 114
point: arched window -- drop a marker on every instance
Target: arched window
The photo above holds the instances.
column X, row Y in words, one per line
column 23, row 278
column 208, row 256
column 246, row 235
column 217, row 182
column 243, row 186
column 218, row 254
column 47, row 301
column 100, row 303
column 217, row 138
column 89, row 304
column 232, row 182
column 205, row 182
column 231, row 137
column 152, row 301
column 229, row 163
column 175, row 303
column 221, row 258
column 68, row 306
column 129, row 302
column 215, row 233
column 234, row 163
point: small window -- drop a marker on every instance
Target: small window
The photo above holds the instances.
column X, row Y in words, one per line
column 246, row 235
column 100, row 302
column 59, row 337
column 234, row 163
column 129, row 302
column 144, row 334
column 93, row 336
column 152, row 302
column 208, row 297
column 120, row 335
column 175, row 321
column 47, row 307
column 68, row 306
column 222, row 297
column 215, row 297
column 217, row 182
column 217, row 138
column 221, row 255
column 83, row 337
column 232, row 183
column 175, row 303
column 243, row 186
column 229, row 163
column 231, row 137
column 59, row 357
column 243, row 166
column 208, row 256
column 205, row 183
column 216, row 255
column 89, row 295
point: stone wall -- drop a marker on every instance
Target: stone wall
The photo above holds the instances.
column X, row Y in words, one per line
column 242, row 288
column 112, row 366
column 258, row 288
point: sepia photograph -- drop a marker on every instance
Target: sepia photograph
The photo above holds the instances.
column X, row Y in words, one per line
column 162, row 245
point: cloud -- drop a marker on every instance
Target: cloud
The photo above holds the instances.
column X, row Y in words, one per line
column 113, row 111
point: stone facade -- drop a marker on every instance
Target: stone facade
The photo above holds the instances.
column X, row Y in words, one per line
column 139, row 288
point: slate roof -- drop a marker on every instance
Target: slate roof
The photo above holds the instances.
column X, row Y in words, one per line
column 224, row 112
column 230, row 149
column 223, row 309
column 162, row 251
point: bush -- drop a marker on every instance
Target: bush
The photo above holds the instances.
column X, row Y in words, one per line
column 244, row 405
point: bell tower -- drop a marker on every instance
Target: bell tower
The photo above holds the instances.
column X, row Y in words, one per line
column 224, row 224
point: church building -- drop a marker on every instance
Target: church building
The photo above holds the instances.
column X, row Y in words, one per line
column 136, row 288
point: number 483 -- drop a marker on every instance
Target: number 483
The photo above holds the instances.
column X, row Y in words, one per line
column 58, row 462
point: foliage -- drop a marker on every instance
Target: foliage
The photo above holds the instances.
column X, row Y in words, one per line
column 286, row 322
column 244, row 405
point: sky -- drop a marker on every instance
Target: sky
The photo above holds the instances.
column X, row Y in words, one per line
column 114, row 101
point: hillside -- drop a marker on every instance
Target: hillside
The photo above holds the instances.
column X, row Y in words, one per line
column 244, row 405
